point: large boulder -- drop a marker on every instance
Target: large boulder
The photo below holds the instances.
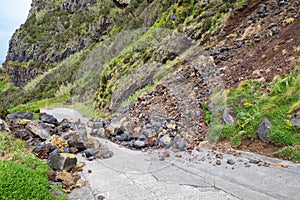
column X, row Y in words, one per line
column 263, row 130
column 63, row 161
column 41, row 129
column 77, row 139
column 21, row 115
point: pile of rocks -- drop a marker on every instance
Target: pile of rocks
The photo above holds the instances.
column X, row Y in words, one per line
column 58, row 143
column 136, row 134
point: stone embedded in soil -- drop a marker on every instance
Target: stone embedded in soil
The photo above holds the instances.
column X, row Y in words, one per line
column 263, row 129
column 228, row 116
column 218, row 162
column 62, row 161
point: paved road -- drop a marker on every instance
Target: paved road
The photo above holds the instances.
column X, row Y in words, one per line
column 139, row 175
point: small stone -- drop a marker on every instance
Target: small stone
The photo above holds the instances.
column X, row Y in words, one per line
column 179, row 155
column 247, row 165
column 166, row 153
column 91, row 158
column 89, row 171
column 182, row 145
column 90, row 152
column 230, row 162
column 165, row 140
column 219, row 155
column 218, row 162
column 100, row 197
column 137, row 144
column 253, row 161
column 123, row 137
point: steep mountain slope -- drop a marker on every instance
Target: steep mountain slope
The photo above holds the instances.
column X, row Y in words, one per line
column 102, row 55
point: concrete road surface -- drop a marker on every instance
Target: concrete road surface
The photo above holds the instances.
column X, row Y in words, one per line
column 136, row 175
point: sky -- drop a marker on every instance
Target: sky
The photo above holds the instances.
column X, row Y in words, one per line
column 13, row 13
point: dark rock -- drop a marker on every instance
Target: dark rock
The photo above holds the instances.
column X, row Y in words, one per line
column 90, row 152
column 230, row 162
column 41, row 129
column 62, row 162
column 50, row 119
column 282, row 3
column 137, row 144
column 222, row 49
column 91, row 158
column 274, row 30
column 263, row 129
column 21, row 115
column 54, row 152
column 239, row 44
column 43, row 151
column 228, row 116
column 65, row 126
column 254, row 161
column 173, row 17
column 76, row 138
column 123, row 137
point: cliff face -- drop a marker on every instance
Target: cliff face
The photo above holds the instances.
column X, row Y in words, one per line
column 56, row 29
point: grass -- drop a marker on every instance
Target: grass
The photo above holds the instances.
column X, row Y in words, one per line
column 240, row 4
column 22, row 175
column 252, row 103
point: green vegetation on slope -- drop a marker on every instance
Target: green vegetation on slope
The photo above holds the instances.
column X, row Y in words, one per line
column 255, row 100
column 22, row 175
